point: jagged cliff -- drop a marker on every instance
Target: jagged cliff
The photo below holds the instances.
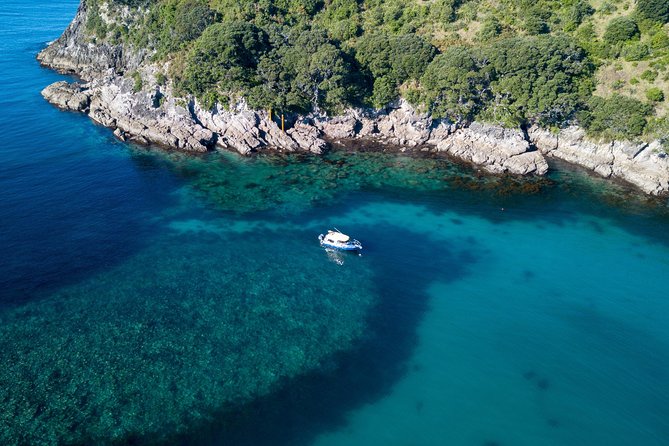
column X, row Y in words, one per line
column 120, row 89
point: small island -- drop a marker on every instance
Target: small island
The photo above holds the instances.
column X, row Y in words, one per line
column 504, row 86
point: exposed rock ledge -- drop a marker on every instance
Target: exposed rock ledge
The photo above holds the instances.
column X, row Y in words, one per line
column 154, row 115
column 643, row 165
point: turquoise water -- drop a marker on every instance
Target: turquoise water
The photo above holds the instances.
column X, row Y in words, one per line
column 149, row 297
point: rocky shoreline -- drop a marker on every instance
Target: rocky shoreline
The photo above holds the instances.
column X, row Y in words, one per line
column 109, row 95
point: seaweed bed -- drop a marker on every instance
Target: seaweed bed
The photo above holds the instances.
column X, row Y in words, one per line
column 296, row 181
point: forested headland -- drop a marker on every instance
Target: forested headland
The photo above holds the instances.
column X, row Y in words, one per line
column 600, row 64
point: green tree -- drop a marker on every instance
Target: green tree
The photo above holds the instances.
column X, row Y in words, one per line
column 391, row 61
column 456, row 84
column 306, row 70
column 577, row 14
column 223, row 60
column 545, row 78
column 535, row 23
column 490, row 30
column 620, row 30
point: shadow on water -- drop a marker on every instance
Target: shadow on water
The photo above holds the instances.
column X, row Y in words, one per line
column 318, row 403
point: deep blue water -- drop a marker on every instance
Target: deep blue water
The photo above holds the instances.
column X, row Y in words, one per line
column 147, row 295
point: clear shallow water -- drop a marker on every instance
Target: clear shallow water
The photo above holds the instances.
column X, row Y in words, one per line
column 157, row 296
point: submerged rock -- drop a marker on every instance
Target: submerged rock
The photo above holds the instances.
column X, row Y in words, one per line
column 182, row 332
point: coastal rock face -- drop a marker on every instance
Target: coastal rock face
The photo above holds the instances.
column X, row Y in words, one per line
column 140, row 117
column 496, row 149
column 74, row 52
column 151, row 113
column 643, row 165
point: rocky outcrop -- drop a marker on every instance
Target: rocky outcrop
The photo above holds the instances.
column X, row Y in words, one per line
column 76, row 53
column 496, row 149
column 643, row 165
column 68, row 96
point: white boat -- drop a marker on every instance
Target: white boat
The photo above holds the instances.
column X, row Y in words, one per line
column 337, row 240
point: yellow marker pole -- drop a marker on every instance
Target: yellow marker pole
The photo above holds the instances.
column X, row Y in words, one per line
column 283, row 126
column 270, row 113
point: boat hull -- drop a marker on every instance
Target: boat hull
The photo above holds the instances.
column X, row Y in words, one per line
column 341, row 248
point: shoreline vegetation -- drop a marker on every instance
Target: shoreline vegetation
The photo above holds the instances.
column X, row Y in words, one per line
column 469, row 79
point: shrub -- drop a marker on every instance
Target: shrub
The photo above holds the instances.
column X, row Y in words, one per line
column 455, row 85
column 608, row 8
column 161, row 79
column 579, row 12
column 544, row 79
column 94, row 24
column 649, row 75
column 173, row 23
column 392, row 60
column 137, row 78
column 635, row 51
column 654, row 94
column 535, row 24
column 224, row 58
column 660, row 40
column 658, row 129
column 491, row 29
column 620, row 30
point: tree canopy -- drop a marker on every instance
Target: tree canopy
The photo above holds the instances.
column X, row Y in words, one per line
column 512, row 62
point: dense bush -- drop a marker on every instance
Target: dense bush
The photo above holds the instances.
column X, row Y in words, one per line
column 577, row 14
column 656, row 10
column 635, row 51
column 392, row 60
column 310, row 71
column 457, row 84
column 620, row 30
column 137, row 82
column 512, row 81
column 617, row 117
column 511, row 62
column 660, row 40
column 544, row 79
column 224, row 59
column 490, row 30
column 535, row 23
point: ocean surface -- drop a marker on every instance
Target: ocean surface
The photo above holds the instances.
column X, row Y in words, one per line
column 153, row 297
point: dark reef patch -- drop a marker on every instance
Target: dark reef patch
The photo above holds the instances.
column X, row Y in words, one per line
column 552, row 422
column 174, row 335
column 530, row 375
